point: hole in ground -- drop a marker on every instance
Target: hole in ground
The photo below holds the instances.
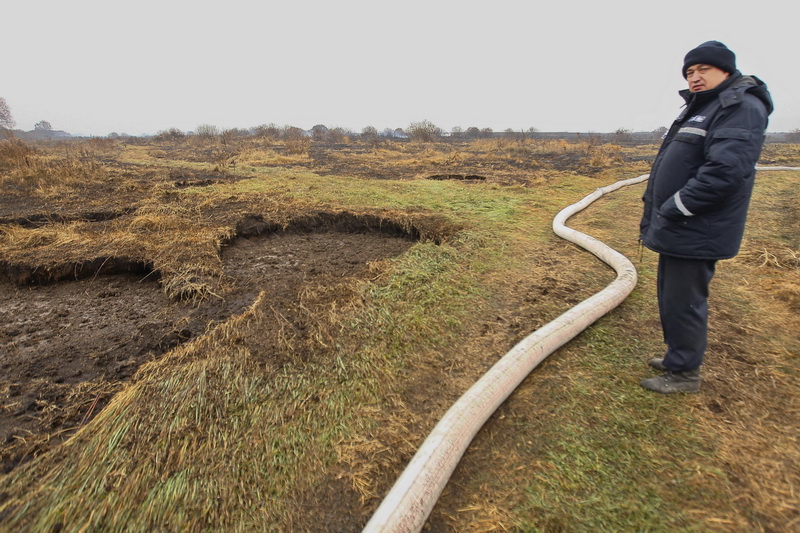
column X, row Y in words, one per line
column 66, row 347
column 459, row 177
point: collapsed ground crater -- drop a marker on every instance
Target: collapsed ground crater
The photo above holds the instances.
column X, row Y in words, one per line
column 70, row 340
column 458, row 177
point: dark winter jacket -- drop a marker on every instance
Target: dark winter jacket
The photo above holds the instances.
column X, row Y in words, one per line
column 699, row 189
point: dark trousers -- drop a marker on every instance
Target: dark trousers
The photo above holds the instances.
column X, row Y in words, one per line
column 683, row 304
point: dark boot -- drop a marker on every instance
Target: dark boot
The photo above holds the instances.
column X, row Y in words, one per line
column 657, row 363
column 671, row 382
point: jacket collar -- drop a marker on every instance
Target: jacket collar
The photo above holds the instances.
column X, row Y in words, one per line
column 703, row 97
column 731, row 92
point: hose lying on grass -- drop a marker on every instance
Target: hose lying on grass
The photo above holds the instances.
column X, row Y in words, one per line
column 416, row 491
column 758, row 167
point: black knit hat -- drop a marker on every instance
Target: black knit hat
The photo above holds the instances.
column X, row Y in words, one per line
column 712, row 53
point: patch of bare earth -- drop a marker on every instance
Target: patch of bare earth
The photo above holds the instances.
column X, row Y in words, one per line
column 67, row 347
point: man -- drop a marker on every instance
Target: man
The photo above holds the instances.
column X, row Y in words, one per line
column 696, row 201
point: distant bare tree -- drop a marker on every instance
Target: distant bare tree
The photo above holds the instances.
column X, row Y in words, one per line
column 6, row 119
column 43, row 125
column 206, row 130
column 319, row 132
column 227, row 136
column 424, row 131
column 172, row 134
column 622, row 135
column 292, row 132
column 269, row 131
column 370, row 135
column 339, row 135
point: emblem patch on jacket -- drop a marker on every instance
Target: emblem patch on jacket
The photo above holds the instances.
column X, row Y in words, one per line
column 697, row 118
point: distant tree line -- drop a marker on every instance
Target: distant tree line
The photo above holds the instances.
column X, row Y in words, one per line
column 319, row 132
column 425, row 131
column 422, row 131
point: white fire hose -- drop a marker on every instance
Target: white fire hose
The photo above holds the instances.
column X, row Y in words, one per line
column 758, row 167
column 416, row 491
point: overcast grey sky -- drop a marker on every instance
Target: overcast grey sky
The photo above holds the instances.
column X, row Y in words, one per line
column 93, row 67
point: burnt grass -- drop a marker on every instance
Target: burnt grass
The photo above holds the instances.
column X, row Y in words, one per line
column 72, row 335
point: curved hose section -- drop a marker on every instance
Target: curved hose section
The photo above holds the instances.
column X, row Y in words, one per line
column 776, row 168
column 416, row 491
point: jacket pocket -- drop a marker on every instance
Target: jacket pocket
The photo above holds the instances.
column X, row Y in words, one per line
column 689, row 236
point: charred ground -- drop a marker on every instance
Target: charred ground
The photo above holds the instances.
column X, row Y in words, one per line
column 116, row 255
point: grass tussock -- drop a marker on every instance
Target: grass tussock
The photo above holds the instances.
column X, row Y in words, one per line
column 29, row 171
column 185, row 255
column 260, row 157
column 14, row 153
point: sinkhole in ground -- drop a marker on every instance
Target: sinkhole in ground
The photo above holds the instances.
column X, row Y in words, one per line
column 69, row 340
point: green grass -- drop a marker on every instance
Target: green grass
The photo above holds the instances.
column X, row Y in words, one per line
column 612, row 457
column 618, row 458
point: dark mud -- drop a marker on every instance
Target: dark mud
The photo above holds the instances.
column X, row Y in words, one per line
column 67, row 347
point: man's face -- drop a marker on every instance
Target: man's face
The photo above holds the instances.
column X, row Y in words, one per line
column 703, row 77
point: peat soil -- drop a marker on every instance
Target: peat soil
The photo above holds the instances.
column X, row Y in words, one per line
column 67, row 347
